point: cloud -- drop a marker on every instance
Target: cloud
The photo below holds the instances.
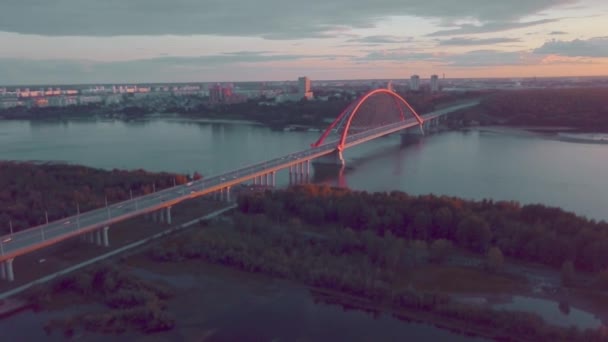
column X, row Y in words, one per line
column 272, row 19
column 398, row 56
column 381, row 39
column 490, row 27
column 27, row 71
column 593, row 47
column 484, row 58
column 556, row 33
column 465, row 41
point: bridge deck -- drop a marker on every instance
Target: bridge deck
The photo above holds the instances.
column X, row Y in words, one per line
column 41, row 236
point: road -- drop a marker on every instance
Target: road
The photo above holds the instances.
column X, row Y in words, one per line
column 37, row 237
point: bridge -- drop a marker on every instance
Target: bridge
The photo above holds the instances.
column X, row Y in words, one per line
column 378, row 113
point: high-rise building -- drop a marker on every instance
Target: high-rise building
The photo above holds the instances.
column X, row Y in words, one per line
column 415, row 83
column 304, row 90
column 434, row 83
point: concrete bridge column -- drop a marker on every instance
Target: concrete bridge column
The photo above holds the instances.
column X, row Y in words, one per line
column 98, row 237
column 333, row 159
column 412, row 135
column 168, row 215
column 228, row 199
column 106, row 239
column 291, row 175
column 6, row 270
column 91, row 236
column 263, row 180
column 274, row 179
column 300, row 173
column 161, row 214
column 308, row 171
column 255, row 180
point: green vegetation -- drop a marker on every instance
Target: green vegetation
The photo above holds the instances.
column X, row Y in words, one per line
column 375, row 247
column 584, row 108
column 28, row 190
column 131, row 302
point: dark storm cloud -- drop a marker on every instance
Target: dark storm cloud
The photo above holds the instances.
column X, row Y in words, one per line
column 593, row 47
column 464, row 41
column 490, row 27
column 273, row 19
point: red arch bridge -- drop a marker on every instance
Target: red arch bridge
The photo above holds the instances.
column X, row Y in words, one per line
column 378, row 113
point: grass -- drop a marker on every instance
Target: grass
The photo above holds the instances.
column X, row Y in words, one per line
column 454, row 279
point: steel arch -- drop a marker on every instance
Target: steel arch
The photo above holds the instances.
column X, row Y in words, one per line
column 351, row 110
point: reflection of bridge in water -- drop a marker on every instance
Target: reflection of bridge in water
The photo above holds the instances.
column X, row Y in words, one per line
column 378, row 113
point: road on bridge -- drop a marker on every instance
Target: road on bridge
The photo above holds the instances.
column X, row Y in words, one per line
column 41, row 236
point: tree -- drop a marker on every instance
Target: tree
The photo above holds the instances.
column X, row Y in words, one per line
column 419, row 250
column 601, row 281
column 494, row 259
column 568, row 273
column 439, row 251
column 443, row 222
column 473, row 233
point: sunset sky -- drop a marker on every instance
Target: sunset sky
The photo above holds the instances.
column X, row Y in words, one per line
column 92, row 41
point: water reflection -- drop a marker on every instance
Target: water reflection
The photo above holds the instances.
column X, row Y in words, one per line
column 553, row 312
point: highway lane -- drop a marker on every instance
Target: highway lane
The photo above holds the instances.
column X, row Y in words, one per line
column 91, row 220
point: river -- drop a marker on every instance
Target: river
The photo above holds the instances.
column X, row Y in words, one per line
column 502, row 165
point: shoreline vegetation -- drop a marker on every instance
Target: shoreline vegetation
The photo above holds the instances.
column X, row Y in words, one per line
column 580, row 110
column 31, row 190
column 369, row 245
column 380, row 253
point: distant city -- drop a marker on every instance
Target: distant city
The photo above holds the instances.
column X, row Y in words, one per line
column 268, row 93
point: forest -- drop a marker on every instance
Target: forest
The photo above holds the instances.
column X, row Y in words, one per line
column 582, row 108
column 28, row 190
column 368, row 247
column 534, row 232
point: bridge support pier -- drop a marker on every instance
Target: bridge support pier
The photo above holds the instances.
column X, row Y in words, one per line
column 161, row 213
column 413, row 134
column 227, row 197
column 106, row 239
column 6, row 270
column 335, row 158
column 98, row 237
column 168, row 215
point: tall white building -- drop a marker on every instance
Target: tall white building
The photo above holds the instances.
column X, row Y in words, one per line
column 304, row 88
column 434, row 83
column 415, row 83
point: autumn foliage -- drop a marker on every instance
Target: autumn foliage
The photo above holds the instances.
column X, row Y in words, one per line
column 584, row 108
column 27, row 190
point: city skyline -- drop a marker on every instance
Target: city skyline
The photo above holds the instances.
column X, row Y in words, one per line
column 187, row 41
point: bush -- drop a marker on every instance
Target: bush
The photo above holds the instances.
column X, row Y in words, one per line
column 440, row 250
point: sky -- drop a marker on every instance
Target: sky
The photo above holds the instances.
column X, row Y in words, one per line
column 139, row 41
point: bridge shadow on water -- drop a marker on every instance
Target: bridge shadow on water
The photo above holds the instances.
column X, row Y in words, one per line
column 337, row 175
